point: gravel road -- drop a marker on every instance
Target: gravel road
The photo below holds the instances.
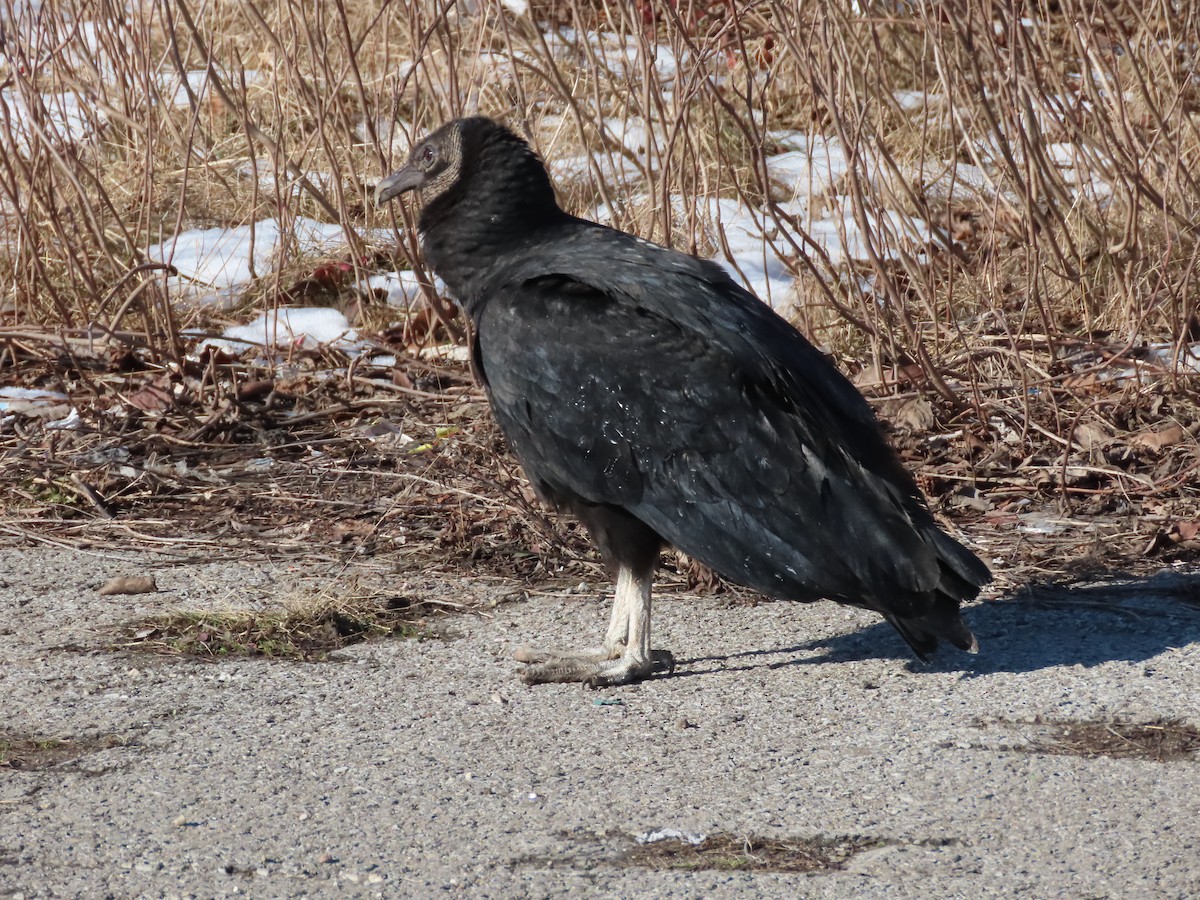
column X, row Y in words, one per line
column 425, row 768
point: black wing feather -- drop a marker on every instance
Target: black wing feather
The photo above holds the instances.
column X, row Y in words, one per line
column 675, row 395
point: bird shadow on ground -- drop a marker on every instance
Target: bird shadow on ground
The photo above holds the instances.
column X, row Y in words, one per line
column 1105, row 619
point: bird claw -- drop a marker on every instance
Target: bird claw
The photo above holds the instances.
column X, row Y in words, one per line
column 628, row 672
column 590, row 671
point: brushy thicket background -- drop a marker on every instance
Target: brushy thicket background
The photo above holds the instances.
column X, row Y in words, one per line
column 1029, row 346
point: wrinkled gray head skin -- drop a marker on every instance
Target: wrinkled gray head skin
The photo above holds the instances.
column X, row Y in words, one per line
column 432, row 169
column 481, row 192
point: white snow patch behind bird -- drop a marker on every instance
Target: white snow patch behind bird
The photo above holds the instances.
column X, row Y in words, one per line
column 401, row 288
column 213, row 264
column 283, row 329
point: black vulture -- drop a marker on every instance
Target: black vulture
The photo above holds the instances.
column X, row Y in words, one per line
column 652, row 397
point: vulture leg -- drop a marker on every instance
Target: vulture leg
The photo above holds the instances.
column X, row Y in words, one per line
column 626, row 655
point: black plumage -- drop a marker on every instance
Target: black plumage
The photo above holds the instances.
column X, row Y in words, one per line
column 651, row 396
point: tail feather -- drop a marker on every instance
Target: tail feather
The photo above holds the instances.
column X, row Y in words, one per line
column 963, row 574
column 944, row 622
column 958, row 560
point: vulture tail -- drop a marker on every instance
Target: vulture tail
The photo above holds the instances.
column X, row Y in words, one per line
column 942, row 622
column 963, row 574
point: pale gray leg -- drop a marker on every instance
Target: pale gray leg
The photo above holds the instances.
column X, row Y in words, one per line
column 626, row 655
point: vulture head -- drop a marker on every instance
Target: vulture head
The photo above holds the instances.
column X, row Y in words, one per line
column 474, row 166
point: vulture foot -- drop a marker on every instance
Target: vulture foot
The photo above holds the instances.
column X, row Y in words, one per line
column 592, row 668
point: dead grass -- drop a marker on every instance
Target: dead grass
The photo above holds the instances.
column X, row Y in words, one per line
column 729, row 853
column 405, row 465
column 718, row 852
column 1158, row 741
column 305, row 628
column 402, row 465
column 30, row 753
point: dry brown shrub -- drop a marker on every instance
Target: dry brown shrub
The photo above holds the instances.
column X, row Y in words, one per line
column 1036, row 159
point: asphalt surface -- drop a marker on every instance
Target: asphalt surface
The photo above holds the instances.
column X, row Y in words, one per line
column 425, row 768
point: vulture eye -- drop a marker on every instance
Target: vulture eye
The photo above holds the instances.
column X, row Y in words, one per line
column 428, row 156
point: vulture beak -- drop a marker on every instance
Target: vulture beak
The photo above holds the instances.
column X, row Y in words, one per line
column 399, row 182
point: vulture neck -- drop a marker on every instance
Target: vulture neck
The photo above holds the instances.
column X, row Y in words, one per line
column 504, row 206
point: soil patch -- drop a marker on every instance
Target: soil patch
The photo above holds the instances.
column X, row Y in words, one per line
column 1160, row 741
column 29, row 753
column 748, row 853
column 307, row 630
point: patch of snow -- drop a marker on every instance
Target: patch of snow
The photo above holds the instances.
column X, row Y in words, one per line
column 270, row 178
column 220, row 257
column 456, row 352
column 813, row 168
column 223, row 259
column 393, row 135
column 229, row 256
column 671, row 834
column 791, row 139
column 30, row 401
column 175, row 93
column 890, row 7
column 499, row 68
column 632, row 133
column 19, row 9
column 1064, row 155
column 910, row 101
column 751, row 259
column 402, row 288
column 174, row 90
column 619, row 56
column 1036, row 523
column 942, row 181
column 614, row 168
column 1188, row 359
column 1079, row 170
column 65, row 119
column 1151, row 364
column 758, row 250
column 20, row 393
column 70, row 423
column 753, row 249
column 841, row 238
column 281, row 329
